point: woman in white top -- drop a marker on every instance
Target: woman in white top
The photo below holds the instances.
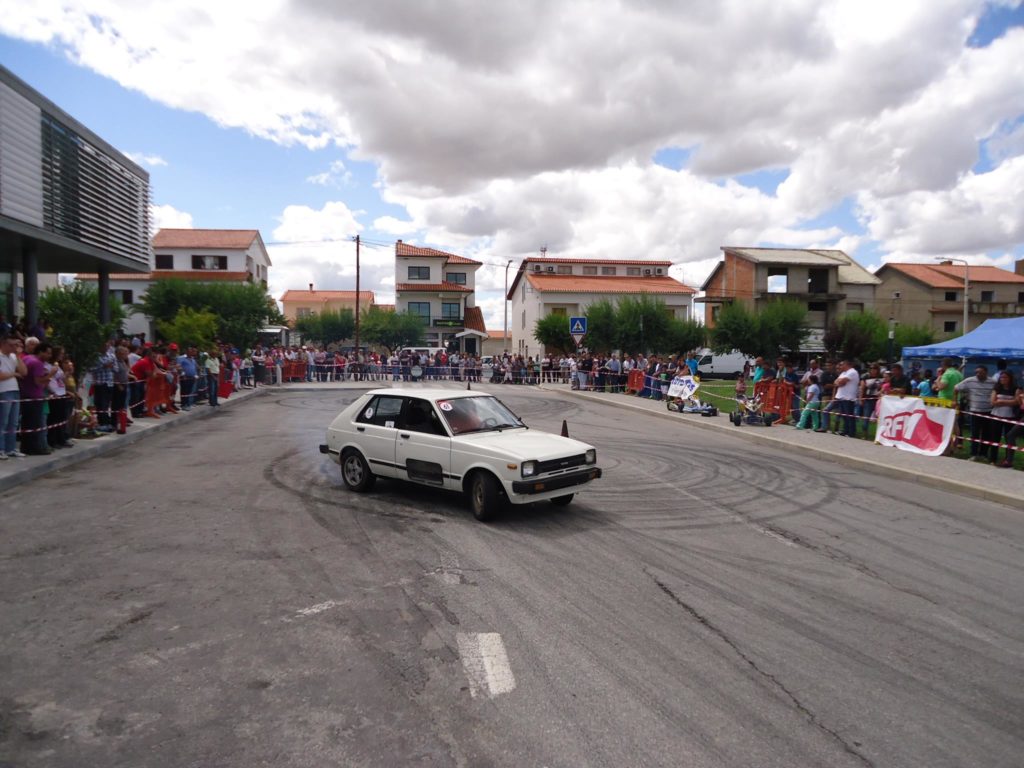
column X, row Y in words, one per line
column 11, row 369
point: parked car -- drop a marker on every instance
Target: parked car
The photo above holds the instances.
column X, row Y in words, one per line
column 712, row 366
column 461, row 441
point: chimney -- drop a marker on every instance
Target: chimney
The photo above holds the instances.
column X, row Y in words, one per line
column 310, row 287
column 945, row 263
column 1019, row 267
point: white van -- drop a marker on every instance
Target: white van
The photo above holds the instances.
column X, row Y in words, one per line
column 431, row 351
column 728, row 366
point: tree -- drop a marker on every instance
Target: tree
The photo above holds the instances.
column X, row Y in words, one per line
column 642, row 323
column 327, row 327
column 736, row 327
column 602, row 326
column 778, row 327
column 912, row 336
column 683, row 336
column 553, row 334
column 391, row 330
column 241, row 309
column 72, row 311
column 190, row 328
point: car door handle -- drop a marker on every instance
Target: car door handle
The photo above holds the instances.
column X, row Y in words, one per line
column 403, row 435
column 360, row 429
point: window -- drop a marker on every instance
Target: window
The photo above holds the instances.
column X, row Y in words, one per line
column 450, row 310
column 817, row 280
column 419, row 273
column 608, row 270
column 822, row 306
column 122, row 294
column 524, row 318
column 1020, row 297
column 716, row 310
column 950, row 295
column 988, row 295
column 420, row 416
column 854, row 306
column 670, row 312
column 302, row 312
column 381, row 411
column 633, row 271
column 209, row 262
column 564, row 269
column 949, row 326
column 778, row 280
column 164, row 261
column 590, row 270
column 459, row 278
column 560, row 311
column 421, row 308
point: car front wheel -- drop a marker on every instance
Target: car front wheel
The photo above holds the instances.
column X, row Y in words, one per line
column 485, row 496
column 355, row 472
column 562, row 501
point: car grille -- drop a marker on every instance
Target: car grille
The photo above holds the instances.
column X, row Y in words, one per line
column 561, row 465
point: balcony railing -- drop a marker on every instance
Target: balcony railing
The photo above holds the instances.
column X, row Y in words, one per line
column 999, row 308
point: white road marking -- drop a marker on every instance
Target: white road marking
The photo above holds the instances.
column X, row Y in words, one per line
column 313, row 610
column 486, row 664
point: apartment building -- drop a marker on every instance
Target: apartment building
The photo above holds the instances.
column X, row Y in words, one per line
column 933, row 294
column 546, row 285
column 828, row 282
column 440, row 288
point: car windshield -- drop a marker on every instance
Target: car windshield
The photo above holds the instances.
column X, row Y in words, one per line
column 477, row 414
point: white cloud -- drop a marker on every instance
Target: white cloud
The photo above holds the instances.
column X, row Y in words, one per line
column 500, row 132
column 167, row 216
column 149, row 161
column 335, row 176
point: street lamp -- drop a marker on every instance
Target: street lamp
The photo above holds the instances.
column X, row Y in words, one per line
column 967, row 283
column 505, row 302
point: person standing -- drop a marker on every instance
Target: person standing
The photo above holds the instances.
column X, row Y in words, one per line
column 122, row 382
column 33, row 392
column 1008, row 404
column 213, row 375
column 870, row 389
column 189, row 371
column 979, row 388
column 812, row 397
column 259, row 364
column 103, row 386
column 12, row 369
column 57, row 404
column 846, row 389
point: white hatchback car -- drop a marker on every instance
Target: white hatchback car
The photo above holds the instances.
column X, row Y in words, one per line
column 463, row 441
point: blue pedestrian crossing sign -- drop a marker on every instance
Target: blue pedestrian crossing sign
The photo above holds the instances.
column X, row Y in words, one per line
column 578, row 328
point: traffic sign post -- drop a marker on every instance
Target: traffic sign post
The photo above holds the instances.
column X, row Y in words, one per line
column 577, row 329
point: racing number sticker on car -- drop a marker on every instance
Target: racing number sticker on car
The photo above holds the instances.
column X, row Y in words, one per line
column 445, row 406
column 368, row 413
column 389, row 424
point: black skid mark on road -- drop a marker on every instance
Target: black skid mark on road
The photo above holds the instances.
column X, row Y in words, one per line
column 772, row 679
column 115, row 633
column 312, row 498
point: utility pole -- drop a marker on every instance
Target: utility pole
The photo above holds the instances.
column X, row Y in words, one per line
column 357, row 305
column 505, row 302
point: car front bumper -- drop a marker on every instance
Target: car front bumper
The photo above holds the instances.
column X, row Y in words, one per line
column 547, row 484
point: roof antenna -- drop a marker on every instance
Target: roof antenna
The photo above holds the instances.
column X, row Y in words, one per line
column 543, row 251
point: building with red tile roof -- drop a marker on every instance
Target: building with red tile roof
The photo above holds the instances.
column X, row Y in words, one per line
column 933, row 295
column 299, row 303
column 566, row 286
column 440, row 287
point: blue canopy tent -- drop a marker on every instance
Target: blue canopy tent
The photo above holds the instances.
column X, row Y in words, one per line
column 993, row 340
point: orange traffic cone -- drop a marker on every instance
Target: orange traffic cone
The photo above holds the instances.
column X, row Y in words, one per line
column 565, row 429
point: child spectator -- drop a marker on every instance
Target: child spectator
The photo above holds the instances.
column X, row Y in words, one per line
column 812, row 408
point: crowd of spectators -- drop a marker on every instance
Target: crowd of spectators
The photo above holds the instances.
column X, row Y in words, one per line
column 43, row 404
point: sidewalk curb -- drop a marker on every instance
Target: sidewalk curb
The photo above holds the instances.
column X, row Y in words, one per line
column 83, row 451
column 899, row 473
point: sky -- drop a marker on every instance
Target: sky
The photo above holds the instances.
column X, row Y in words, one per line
column 600, row 129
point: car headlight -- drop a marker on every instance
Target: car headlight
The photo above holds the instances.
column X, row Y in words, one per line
column 590, row 457
column 529, row 468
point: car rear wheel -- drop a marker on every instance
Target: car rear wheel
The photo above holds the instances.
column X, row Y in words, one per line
column 562, row 501
column 355, row 472
column 485, row 496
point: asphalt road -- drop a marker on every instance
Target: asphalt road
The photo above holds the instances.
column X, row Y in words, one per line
column 214, row 597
